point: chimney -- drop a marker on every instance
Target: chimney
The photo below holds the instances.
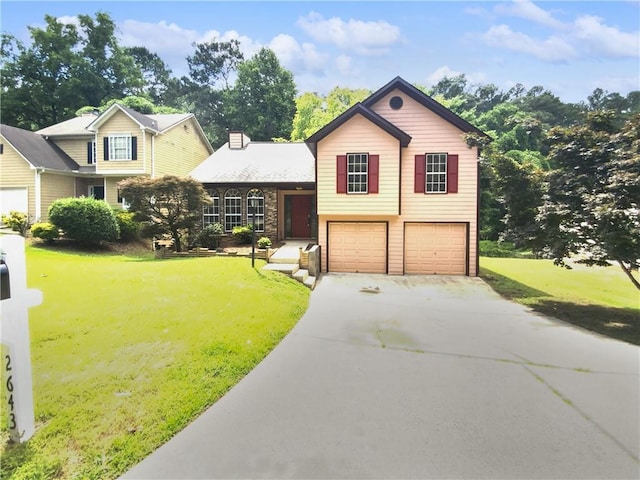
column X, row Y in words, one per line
column 238, row 140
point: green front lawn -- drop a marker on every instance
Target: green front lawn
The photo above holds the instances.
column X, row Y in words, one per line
column 601, row 299
column 128, row 350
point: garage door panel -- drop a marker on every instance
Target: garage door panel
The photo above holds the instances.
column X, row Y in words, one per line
column 436, row 248
column 14, row 199
column 357, row 247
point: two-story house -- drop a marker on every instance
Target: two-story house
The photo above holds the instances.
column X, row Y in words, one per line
column 397, row 187
column 89, row 155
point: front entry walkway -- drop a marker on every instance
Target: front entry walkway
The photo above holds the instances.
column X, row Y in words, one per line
column 420, row 377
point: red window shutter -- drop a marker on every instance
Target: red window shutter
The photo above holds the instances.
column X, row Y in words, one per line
column 420, row 181
column 374, row 167
column 341, row 171
column 452, row 173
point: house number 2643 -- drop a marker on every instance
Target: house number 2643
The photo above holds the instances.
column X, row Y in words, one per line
column 8, row 368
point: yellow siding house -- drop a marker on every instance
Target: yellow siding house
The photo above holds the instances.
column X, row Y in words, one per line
column 89, row 155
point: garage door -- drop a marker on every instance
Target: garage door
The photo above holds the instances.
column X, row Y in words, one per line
column 357, row 247
column 13, row 199
column 435, row 248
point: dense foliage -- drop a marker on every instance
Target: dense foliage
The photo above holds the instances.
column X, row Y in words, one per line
column 45, row 231
column 168, row 205
column 85, row 219
column 17, row 221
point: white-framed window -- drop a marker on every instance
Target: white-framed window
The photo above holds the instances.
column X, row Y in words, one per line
column 255, row 206
column 357, row 172
column 232, row 209
column 120, row 147
column 436, row 173
column 123, row 201
column 91, row 160
column 211, row 211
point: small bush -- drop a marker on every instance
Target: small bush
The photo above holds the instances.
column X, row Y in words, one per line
column 129, row 227
column 209, row 236
column 243, row 234
column 85, row 219
column 45, row 231
column 17, row 221
column 264, row 242
column 490, row 248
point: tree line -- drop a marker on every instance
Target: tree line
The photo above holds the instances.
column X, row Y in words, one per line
column 561, row 179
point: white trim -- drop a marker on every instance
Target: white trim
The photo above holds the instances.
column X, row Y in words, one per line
column 38, row 195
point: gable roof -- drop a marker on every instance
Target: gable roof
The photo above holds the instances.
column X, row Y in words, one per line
column 143, row 120
column 361, row 109
column 37, row 150
column 423, row 99
column 258, row 162
column 76, row 126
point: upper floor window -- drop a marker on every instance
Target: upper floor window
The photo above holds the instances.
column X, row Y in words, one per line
column 120, row 147
column 255, row 207
column 211, row 211
column 357, row 173
column 232, row 209
column 91, row 152
column 436, row 173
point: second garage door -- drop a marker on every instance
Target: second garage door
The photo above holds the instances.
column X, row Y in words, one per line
column 435, row 248
column 357, row 247
column 13, row 199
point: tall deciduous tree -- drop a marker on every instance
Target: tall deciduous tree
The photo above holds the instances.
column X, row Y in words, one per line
column 592, row 206
column 263, row 98
column 155, row 73
column 64, row 68
column 169, row 205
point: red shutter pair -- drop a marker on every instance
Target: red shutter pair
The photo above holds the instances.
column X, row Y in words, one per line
column 420, row 174
column 373, row 173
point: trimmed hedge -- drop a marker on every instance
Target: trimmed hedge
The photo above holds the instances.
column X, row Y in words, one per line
column 85, row 219
column 45, row 231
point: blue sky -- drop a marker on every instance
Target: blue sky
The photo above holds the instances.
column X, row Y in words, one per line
column 568, row 47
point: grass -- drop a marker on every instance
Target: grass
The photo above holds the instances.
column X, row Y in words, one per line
column 127, row 350
column 600, row 299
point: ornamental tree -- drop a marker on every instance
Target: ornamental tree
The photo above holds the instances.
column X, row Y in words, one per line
column 169, row 205
column 592, row 203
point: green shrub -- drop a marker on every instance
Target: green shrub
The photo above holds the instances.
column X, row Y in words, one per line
column 209, row 236
column 129, row 227
column 45, row 231
column 243, row 234
column 490, row 248
column 264, row 242
column 17, row 221
column 85, row 219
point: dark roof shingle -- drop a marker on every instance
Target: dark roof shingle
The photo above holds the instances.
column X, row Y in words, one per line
column 37, row 150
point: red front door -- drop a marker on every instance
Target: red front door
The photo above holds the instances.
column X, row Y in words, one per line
column 301, row 216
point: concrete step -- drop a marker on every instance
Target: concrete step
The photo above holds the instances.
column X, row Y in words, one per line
column 286, row 254
column 310, row 282
column 301, row 275
column 288, row 268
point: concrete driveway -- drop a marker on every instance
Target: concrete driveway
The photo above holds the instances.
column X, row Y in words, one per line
column 420, row 377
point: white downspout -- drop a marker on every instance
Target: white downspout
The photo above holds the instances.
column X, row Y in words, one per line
column 153, row 155
column 38, row 195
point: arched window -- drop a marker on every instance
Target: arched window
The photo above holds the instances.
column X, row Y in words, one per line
column 255, row 207
column 211, row 211
column 232, row 209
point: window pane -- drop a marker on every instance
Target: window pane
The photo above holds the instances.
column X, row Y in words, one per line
column 436, row 173
column 357, row 172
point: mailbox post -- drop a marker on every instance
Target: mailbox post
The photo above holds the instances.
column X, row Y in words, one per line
column 14, row 330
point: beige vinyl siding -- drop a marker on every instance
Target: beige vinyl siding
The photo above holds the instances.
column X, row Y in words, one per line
column 76, row 148
column 15, row 171
column 432, row 134
column 111, row 191
column 358, row 135
column 179, row 150
column 53, row 187
column 120, row 124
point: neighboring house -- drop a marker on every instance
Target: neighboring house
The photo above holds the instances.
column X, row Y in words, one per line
column 397, row 187
column 279, row 176
column 89, row 155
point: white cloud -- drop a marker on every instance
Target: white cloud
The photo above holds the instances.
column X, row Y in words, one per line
column 295, row 57
column 344, row 66
column 528, row 10
column 365, row 38
column 602, row 39
column 552, row 49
